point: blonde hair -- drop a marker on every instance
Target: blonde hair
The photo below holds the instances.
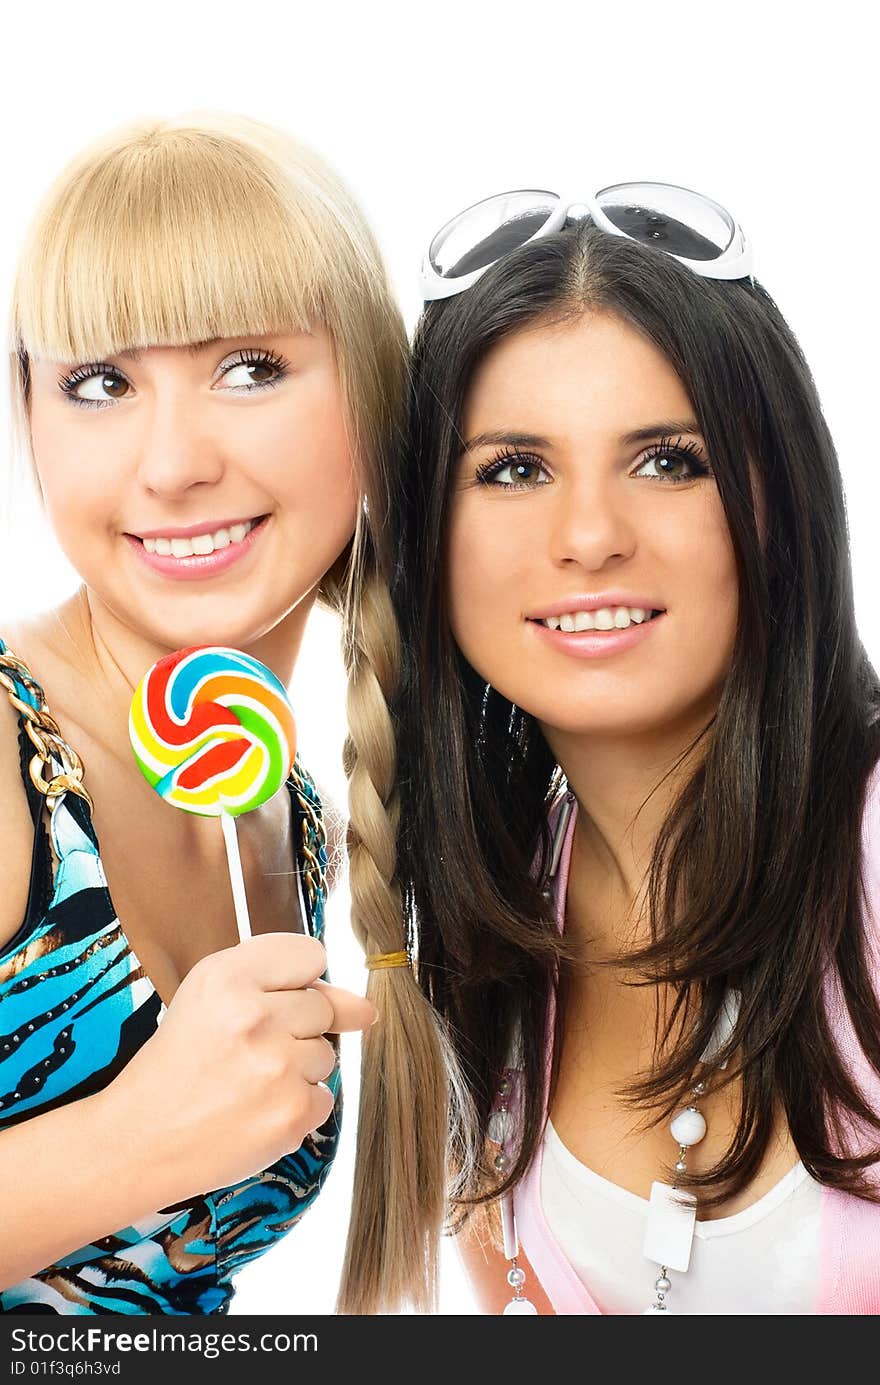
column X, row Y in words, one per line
column 412, row 1093
column 170, row 232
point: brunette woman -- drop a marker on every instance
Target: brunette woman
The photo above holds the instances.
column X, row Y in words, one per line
column 638, row 748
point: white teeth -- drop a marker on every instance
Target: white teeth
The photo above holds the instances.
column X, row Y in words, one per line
column 202, row 544
column 605, row 618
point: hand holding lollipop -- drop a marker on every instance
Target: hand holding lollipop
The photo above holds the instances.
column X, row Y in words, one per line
column 213, row 733
column 234, row 1076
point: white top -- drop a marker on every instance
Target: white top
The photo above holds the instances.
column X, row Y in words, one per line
column 763, row 1260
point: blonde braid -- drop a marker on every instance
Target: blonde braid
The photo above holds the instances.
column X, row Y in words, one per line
column 401, row 1163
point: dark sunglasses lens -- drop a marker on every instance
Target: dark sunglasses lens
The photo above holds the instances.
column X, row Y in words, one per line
column 484, row 233
column 673, row 219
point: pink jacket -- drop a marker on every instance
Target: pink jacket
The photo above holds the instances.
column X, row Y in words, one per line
column 849, row 1270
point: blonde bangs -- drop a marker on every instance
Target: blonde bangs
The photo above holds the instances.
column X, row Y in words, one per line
column 181, row 235
column 173, row 232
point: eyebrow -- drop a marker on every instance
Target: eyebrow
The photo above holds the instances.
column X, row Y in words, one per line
column 670, row 428
column 666, row 428
column 507, row 439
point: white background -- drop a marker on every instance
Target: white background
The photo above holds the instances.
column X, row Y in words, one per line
column 769, row 108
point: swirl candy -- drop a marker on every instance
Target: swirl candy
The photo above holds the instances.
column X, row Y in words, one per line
column 212, row 731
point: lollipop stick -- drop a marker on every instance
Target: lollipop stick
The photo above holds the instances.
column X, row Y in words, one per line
column 236, row 876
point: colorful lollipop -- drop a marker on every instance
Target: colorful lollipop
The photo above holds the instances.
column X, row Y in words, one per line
column 213, row 733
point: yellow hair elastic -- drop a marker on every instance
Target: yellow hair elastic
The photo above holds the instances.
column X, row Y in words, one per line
column 380, row 960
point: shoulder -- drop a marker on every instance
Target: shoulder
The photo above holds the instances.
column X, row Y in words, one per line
column 16, row 824
column 842, row 1026
column 487, row 1268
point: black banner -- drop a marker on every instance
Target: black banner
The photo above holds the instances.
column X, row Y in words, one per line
column 257, row 1349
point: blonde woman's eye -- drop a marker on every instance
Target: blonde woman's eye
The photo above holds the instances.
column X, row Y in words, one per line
column 252, row 371
column 94, row 386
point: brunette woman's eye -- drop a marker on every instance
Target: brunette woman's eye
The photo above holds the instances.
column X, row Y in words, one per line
column 674, row 461
column 95, row 386
column 250, row 370
column 513, row 471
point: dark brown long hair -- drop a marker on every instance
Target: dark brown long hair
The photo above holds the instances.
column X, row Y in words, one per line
column 755, row 881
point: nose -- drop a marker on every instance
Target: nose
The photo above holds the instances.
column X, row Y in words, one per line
column 592, row 523
column 175, row 451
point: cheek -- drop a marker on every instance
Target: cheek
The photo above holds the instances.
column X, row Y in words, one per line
column 709, row 598
column 300, row 455
column 485, row 584
column 314, row 472
column 465, row 577
column 77, row 475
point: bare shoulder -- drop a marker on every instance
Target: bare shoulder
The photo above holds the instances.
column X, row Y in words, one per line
column 16, row 826
column 487, row 1270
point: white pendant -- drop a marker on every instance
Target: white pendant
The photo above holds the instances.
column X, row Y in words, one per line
column 669, row 1232
column 520, row 1306
column 497, row 1127
column 688, row 1126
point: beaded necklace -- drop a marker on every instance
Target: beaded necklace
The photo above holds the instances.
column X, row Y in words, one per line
column 672, row 1211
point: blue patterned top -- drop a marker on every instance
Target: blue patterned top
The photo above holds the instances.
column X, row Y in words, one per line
column 75, row 1005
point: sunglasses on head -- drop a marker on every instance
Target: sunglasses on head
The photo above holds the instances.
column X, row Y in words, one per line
column 693, row 229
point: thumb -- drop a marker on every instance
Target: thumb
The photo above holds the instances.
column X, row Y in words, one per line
column 350, row 1011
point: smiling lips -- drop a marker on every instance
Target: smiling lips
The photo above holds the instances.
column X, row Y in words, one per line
column 199, row 550
column 608, row 610
column 199, row 544
column 603, row 618
column 584, row 628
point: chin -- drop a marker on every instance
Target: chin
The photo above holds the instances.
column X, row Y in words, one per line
column 210, row 623
column 603, row 722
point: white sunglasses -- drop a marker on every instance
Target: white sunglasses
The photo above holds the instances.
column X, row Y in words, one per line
column 691, row 228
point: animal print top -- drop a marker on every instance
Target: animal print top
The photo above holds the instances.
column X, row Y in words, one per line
column 75, row 1005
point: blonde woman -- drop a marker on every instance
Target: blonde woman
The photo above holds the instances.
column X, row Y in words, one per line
column 207, row 370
